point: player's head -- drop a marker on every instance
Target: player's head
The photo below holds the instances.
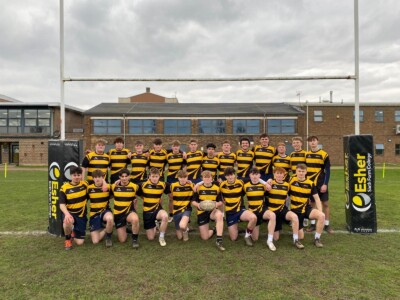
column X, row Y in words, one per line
column 229, row 174
column 119, row 143
column 301, row 171
column 281, row 147
column 244, row 143
column 157, row 144
column 297, row 142
column 123, row 171
column 206, row 174
column 313, row 142
column 312, row 138
column 175, row 146
column 210, row 149
column 97, row 173
column 226, row 146
column 264, row 140
column 279, row 173
column 193, row 145
column 139, row 146
column 154, row 175
column 182, row 176
column 76, row 174
column 100, row 146
column 254, row 174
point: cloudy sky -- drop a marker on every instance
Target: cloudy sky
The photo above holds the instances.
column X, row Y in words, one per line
column 199, row 39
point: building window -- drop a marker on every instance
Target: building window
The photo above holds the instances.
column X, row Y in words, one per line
column 281, row 126
column 107, row 126
column 177, row 126
column 361, row 115
column 142, row 126
column 397, row 149
column 379, row 116
column 212, row 126
column 246, row 126
column 397, row 115
column 318, row 116
column 37, row 121
column 379, row 149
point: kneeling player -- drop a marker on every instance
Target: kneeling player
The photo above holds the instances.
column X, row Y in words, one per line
column 255, row 192
column 124, row 193
column 277, row 194
column 209, row 190
column 301, row 189
column 151, row 191
column 232, row 193
column 180, row 197
column 100, row 213
column 72, row 199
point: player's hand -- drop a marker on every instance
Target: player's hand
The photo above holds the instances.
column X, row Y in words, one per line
column 118, row 182
column 69, row 219
column 323, row 188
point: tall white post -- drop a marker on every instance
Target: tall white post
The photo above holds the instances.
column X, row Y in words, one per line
column 356, row 72
column 62, row 105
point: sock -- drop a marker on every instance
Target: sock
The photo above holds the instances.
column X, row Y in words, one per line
column 326, row 222
column 162, row 234
column 248, row 232
column 219, row 238
column 295, row 237
column 135, row 236
column 317, row 235
column 312, row 222
column 270, row 237
column 171, row 215
column 67, row 236
column 108, row 235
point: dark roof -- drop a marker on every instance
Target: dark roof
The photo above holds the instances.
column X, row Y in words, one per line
column 193, row 109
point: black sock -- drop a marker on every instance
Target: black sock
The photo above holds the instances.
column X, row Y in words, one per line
column 219, row 238
column 135, row 237
column 171, row 215
column 67, row 236
column 108, row 235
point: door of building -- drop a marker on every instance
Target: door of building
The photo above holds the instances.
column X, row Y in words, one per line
column 14, row 159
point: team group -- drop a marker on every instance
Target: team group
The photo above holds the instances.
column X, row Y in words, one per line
column 279, row 188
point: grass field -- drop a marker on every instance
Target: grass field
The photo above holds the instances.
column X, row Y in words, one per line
column 350, row 266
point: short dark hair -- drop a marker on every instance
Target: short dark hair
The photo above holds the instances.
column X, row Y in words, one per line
column 123, row 171
column 254, row 170
column 157, row 141
column 244, row 139
column 119, row 140
column 211, row 145
column 313, row 137
column 97, row 173
column 75, row 170
column 229, row 171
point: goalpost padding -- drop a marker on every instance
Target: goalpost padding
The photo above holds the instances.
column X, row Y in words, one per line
column 359, row 178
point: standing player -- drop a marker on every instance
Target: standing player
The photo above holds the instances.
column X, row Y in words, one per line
column 255, row 192
column 301, row 190
column 180, row 198
column 139, row 162
column 124, row 193
column 281, row 159
column 278, row 191
column 263, row 155
column 194, row 158
column 175, row 162
column 318, row 170
column 209, row 190
column 96, row 160
column 244, row 159
column 232, row 193
column 158, row 157
column 210, row 161
column 72, row 199
column 119, row 159
column 100, row 212
column 298, row 156
column 226, row 159
column 152, row 191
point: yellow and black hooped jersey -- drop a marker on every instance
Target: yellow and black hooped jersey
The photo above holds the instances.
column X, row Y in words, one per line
column 74, row 197
column 139, row 164
column 277, row 195
column 226, row 160
column 255, row 196
column 99, row 200
column 232, row 194
column 244, row 161
column 175, row 163
column 181, row 197
column 124, row 197
column 210, row 164
column 193, row 164
column 263, row 158
column 158, row 160
column 152, row 193
column 118, row 159
column 283, row 162
column 300, row 193
column 207, row 193
column 318, row 167
column 94, row 161
column 297, row 157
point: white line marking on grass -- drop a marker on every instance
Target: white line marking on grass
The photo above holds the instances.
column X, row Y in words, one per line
column 193, row 232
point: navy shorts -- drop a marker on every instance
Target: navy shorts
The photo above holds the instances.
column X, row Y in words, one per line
column 305, row 215
column 96, row 222
column 178, row 218
column 260, row 216
column 79, row 226
column 322, row 196
column 280, row 218
column 232, row 219
column 120, row 219
column 204, row 218
column 149, row 219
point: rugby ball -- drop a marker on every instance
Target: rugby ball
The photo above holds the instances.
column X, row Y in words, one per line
column 207, row 205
